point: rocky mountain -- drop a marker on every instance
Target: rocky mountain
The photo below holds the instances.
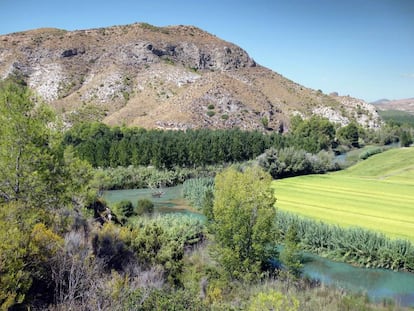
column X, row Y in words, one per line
column 406, row 105
column 174, row 77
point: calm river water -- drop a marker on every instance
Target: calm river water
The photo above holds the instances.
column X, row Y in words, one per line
column 377, row 283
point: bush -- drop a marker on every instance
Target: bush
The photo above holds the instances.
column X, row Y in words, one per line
column 370, row 152
column 144, row 206
column 161, row 241
column 210, row 113
column 288, row 162
column 126, row 209
column 274, row 300
column 111, row 245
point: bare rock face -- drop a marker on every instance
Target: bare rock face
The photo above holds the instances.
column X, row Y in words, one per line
column 174, row 77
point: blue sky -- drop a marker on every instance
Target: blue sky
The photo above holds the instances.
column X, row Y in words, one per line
column 362, row 48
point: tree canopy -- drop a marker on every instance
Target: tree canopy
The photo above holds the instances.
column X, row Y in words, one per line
column 244, row 225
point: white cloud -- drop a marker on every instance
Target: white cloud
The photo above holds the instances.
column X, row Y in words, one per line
column 408, row 75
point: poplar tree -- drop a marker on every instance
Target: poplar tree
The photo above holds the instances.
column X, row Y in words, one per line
column 244, row 221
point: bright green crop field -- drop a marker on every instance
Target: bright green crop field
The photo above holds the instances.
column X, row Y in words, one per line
column 377, row 194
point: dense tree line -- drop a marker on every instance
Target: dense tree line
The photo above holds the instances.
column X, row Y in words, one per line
column 104, row 146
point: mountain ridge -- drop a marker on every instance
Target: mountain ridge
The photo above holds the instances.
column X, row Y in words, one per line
column 404, row 104
column 174, row 77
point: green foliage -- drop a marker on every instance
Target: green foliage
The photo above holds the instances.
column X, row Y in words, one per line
column 288, row 162
column 397, row 117
column 15, row 279
column 210, row 107
column 161, row 241
column 154, row 28
column 33, row 167
column 186, row 230
column 125, row 209
column 103, row 146
column 87, row 113
column 225, row 116
column 146, row 177
column 38, row 182
column 178, row 300
column 27, row 150
column 273, row 300
column 195, row 190
column 290, row 255
column 406, row 138
column 370, row 152
column 210, row 113
column 208, row 205
column 244, row 215
column 353, row 245
column 312, row 135
column 27, row 250
column 144, row 206
column 265, row 122
column 349, row 135
column 112, row 247
column 111, row 147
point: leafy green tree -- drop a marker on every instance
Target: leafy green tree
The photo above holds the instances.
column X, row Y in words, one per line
column 37, row 178
column 244, row 221
column 406, row 138
column 28, row 156
column 349, row 135
column 313, row 134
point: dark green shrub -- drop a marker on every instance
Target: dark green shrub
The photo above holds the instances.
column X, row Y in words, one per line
column 210, row 113
column 126, row 208
column 144, row 206
column 210, row 106
column 265, row 122
column 370, row 152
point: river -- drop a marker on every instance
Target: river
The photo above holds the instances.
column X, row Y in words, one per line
column 378, row 284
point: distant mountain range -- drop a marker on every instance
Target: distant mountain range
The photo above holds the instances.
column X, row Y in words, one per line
column 175, row 77
column 406, row 105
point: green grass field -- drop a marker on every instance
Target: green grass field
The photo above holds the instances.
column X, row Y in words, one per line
column 377, row 194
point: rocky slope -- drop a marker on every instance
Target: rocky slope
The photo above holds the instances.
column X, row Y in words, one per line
column 406, row 105
column 174, row 77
